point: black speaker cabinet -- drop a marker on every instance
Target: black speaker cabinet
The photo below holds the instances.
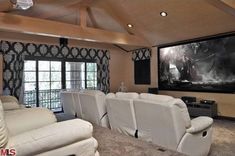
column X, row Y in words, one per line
column 189, row 99
column 153, row 90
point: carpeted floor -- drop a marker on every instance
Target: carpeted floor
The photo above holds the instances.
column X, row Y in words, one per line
column 223, row 138
column 115, row 144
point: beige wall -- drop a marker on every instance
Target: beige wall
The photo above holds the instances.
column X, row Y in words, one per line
column 226, row 102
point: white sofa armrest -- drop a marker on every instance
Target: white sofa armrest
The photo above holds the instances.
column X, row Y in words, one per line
column 31, row 117
column 10, row 105
column 51, row 137
column 199, row 124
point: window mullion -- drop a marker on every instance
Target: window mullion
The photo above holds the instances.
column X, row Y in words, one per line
column 37, row 84
column 85, row 75
column 50, row 83
column 63, row 72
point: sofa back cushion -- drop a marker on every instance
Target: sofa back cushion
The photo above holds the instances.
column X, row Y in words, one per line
column 183, row 110
column 129, row 95
column 10, row 105
column 160, row 123
column 94, row 107
column 121, row 115
column 8, row 98
column 156, row 98
column 3, row 128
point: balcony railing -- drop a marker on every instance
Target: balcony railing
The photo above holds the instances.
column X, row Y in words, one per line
column 47, row 98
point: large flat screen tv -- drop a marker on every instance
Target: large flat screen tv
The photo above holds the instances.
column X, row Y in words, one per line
column 200, row 65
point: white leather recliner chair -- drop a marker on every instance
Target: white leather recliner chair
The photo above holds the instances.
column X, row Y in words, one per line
column 121, row 113
column 73, row 137
column 94, row 107
column 71, row 103
column 166, row 122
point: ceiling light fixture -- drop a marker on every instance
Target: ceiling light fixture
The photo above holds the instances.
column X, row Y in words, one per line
column 130, row 25
column 163, row 14
column 22, row 4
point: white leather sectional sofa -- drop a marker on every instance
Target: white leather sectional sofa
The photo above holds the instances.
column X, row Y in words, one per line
column 34, row 131
column 160, row 119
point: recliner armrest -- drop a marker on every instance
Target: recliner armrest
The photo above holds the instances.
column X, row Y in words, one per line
column 51, row 137
column 199, row 124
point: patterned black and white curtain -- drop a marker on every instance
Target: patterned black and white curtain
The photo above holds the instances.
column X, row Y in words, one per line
column 13, row 75
column 141, row 54
column 14, row 53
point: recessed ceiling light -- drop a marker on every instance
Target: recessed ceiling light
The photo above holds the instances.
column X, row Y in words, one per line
column 163, row 14
column 130, row 25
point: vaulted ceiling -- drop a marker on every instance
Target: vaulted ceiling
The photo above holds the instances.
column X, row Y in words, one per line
column 186, row 19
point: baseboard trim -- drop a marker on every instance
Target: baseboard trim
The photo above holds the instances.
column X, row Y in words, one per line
column 225, row 118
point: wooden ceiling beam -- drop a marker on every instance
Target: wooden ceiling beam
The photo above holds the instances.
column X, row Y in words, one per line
column 29, row 25
column 226, row 6
column 83, row 16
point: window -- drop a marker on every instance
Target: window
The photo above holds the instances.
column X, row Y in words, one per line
column 44, row 79
column 75, row 75
column 30, row 83
column 49, row 84
column 81, row 75
column 91, row 75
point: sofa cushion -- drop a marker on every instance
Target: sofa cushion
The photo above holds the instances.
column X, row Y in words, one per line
column 22, row 120
column 156, row 98
column 51, row 137
column 129, row 95
column 10, row 105
column 3, row 128
column 8, row 98
column 184, row 111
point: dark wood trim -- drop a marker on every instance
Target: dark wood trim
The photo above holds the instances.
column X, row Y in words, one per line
column 123, row 49
column 63, row 75
column 85, row 75
column 37, row 85
column 225, row 118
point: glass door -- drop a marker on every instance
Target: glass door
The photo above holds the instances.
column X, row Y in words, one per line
column 30, row 95
column 49, row 84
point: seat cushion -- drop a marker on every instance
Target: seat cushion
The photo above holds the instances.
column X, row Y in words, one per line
column 21, row 120
column 3, row 128
column 51, row 137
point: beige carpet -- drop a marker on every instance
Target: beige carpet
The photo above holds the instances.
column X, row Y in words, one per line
column 223, row 140
column 115, row 144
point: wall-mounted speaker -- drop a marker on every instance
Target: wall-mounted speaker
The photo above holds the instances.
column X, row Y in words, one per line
column 63, row 41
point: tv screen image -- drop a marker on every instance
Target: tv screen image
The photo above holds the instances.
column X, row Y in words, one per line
column 206, row 65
